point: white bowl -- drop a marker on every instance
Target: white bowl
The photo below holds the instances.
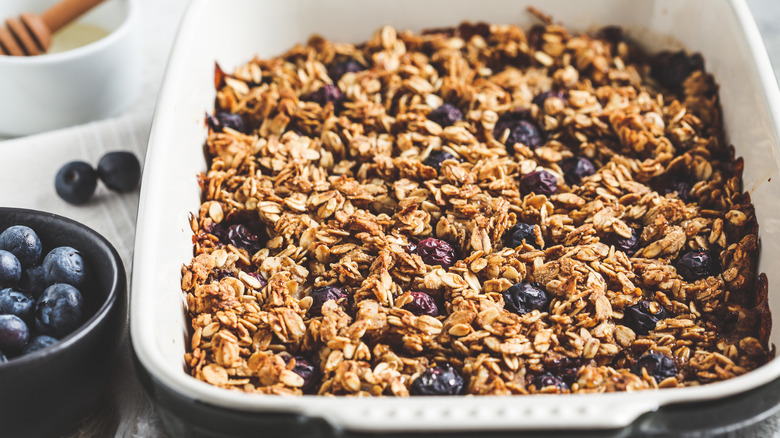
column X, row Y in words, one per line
column 52, row 91
column 232, row 31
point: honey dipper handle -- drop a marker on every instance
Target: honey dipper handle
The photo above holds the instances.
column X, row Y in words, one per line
column 66, row 11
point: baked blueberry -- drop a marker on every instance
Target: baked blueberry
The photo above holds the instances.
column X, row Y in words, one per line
column 338, row 69
column 520, row 233
column 540, row 182
column 682, row 188
column 641, row 319
column 22, row 242
column 439, row 380
column 224, row 119
column 523, row 297
column 38, row 343
column 10, row 269
column 628, row 245
column 307, row 370
column 64, row 265
column 33, row 281
column 671, row 69
column 436, row 252
column 518, row 129
column 657, row 365
column 576, row 168
column 695, row 265
column 548, row 379
column 445, row 115
column 326, row 94
column 13, row 302
column 258, row 277
column 240, row 236
column 120, row 171
column 435, row 159
column 422, row 304
column 13, row 334
column 322, row 294
column 59, row 311
column 75, row 182
column 542, row 97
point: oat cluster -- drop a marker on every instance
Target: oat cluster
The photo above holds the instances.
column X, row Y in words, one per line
column 330, row 164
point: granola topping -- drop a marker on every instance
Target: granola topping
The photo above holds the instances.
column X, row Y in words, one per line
column 473, row 210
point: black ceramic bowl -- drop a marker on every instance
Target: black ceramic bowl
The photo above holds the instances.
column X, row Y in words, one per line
column 47, row 392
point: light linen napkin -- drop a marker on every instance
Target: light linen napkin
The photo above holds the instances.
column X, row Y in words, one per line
column 27, row 181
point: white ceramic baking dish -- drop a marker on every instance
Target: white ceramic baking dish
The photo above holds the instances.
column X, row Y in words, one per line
column 232, row 31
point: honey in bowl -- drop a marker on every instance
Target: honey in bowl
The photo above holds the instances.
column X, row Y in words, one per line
column 76, row 35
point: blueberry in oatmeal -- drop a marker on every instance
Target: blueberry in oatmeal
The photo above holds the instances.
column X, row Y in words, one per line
column 422, row 304
column 436, row 252
column 643, row 316
column 540, row 182
column 695, row 265
column 438, row 380
column 445, row 115
column 435, row 159
column 656, row 365
column 576, row 168
column 326, row 94
column 519, row 234
column 629, row 245
column 548, row 379
column 517, row 129
column 339, row 69
column 542, row 97
column 323, row 294
column 524, row 297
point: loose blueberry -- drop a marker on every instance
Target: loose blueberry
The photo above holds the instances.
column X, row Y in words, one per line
column 307, row 370
column 521, row 130
column 75, row 182
column 671, row 69
column 60, row 310
column 240, row 236
column 22, row 242
column 542, row 97
column 548, row 379
column 445, row 115
column 13, row 334
column 436, row 252
column 522, row 298
column 657, row 365
column 13, row 302
column 323, row 294
column 695, row 265
column 435, row 159
column 339, row 69
column 38, row 343
column 324, row 95
column 438, row 380
column 34, row 281
column 64, row 265
column 10, row 269
column 641, row 319
column 422, row 304
column 576, row 168
column 540, row 182
column 120, row 171
column 628, row 245
column 520, row 233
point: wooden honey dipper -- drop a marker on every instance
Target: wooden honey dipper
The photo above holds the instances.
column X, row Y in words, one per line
column 30, row 34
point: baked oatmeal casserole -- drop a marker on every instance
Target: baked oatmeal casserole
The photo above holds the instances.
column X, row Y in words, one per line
column 472, row 210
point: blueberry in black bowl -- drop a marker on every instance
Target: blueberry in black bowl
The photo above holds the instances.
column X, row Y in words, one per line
column 321, row 295
column 22, row 242
column 75, row 182
column 13, row 302
column 524, row 297
column 540, row 182
column 445, row 115
column 435, row 159
column 576, row 168
column 657, row 365
column 695, row 265
column 39, row 343
column 438, row 380
column 59, row 311
column 518, row 129
column 436, row 252
column 64, row 265
column 33, row 281
column 10, row 269
column 422, row 304
column 120, row 171
column 520, row 233
column 14, row 334
column 642, row 319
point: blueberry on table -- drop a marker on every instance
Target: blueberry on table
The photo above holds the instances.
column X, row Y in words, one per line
column 520, row 130
column 13, row 302
column 120, row 171
column 520, row 233
column 33, row 281
column 321, row 295
column 435, row 159
column 422, row 304
column 439, row 380
column 576, row 168
column 10, row 269
column 436, row 252
column 338, row 69
column 641, row 319
column 325, row 94
column 22, row 242
column 38, row 343
column 628, row 245
column 657, row 365
column 75, row 182
column 445, row 115
column 695, row 265
column 64, row 265
column 540, row 182
column 59, row 311
column 13, row 334
column 523, row 297
column 548, row 379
